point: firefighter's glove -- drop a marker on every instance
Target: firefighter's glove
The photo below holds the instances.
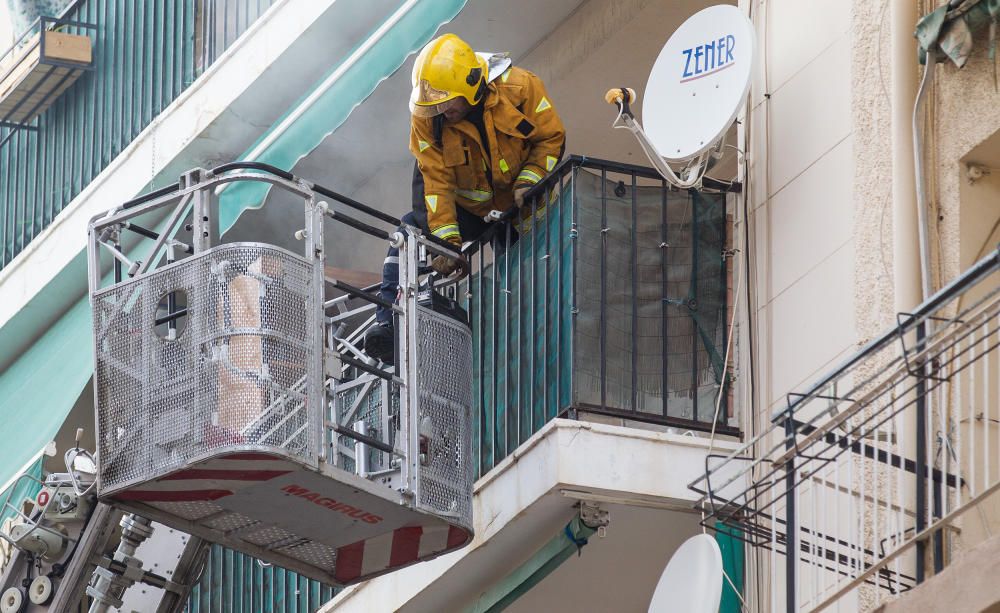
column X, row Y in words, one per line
column 519, row 196
column 444, row 265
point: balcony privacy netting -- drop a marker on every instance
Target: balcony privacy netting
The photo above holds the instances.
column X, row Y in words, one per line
column 652, row 258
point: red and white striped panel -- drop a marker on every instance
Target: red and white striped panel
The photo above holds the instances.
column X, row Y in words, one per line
column 394, row 549
column 192, row 490
column 210, row 480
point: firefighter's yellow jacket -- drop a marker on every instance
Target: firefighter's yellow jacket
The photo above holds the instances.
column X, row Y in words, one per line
column 526, row 141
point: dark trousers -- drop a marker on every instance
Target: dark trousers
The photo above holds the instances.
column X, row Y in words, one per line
column 470, row 227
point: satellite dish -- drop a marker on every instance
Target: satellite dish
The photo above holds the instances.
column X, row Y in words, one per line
column 699, row 82
column 692, row 580
column 695, row 91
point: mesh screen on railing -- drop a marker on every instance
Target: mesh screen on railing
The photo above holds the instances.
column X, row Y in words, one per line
column 664, row 305
column 610, row 300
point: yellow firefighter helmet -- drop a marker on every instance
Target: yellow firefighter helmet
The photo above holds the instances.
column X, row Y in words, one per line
column 446, row 68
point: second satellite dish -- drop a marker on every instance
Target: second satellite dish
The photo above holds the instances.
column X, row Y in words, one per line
column 695, row 91
column 692, row 580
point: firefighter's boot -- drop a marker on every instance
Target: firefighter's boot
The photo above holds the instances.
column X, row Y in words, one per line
column 380, row 342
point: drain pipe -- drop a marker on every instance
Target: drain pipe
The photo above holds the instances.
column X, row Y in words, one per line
column 906, row 228
column 918, row 165
column 907, row 238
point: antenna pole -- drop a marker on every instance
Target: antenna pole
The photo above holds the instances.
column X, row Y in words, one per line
column 791, row 546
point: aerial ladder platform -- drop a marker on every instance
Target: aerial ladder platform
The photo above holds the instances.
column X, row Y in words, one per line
column 234, row 406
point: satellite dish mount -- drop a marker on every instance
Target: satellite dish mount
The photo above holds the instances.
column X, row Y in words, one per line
column 695, row 91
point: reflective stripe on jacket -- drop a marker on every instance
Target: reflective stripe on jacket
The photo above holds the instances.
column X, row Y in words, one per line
column 526, row 141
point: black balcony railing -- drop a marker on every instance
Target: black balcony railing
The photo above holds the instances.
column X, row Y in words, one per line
column 609, row 299
column 861, row 480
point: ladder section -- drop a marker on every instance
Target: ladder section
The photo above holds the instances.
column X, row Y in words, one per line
column 66, row 551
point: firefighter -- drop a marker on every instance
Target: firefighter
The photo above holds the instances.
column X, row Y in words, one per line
column 483, row 132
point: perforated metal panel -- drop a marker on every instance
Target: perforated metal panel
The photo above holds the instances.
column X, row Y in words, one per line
column 444, row 381
column 317, row 554
column 235, row 375
column 364, row 400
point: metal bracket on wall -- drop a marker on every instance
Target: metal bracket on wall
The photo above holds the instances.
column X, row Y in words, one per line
column 917, row 368
column 593, row 516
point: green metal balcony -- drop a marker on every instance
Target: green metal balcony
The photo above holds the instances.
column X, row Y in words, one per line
column 145, row 55
column 236, row 582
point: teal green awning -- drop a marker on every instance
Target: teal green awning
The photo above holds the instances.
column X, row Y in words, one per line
column 571, row 539
column 325, row 108
column 39, row 389
column 731, row 547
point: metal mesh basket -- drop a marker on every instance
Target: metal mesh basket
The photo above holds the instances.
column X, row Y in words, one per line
column 232, row 373
column 444, row 381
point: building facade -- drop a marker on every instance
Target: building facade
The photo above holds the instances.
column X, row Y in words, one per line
column 719, row 370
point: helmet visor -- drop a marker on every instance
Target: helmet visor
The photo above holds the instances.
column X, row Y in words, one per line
column 433, row 110
column 427, row 101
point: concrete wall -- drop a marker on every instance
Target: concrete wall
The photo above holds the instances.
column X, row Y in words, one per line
column 979, row 233
column 6, row 34
column 963, row 126
column 967, row 585
column 802, row 211
column 604, row 44
column 822, row 191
